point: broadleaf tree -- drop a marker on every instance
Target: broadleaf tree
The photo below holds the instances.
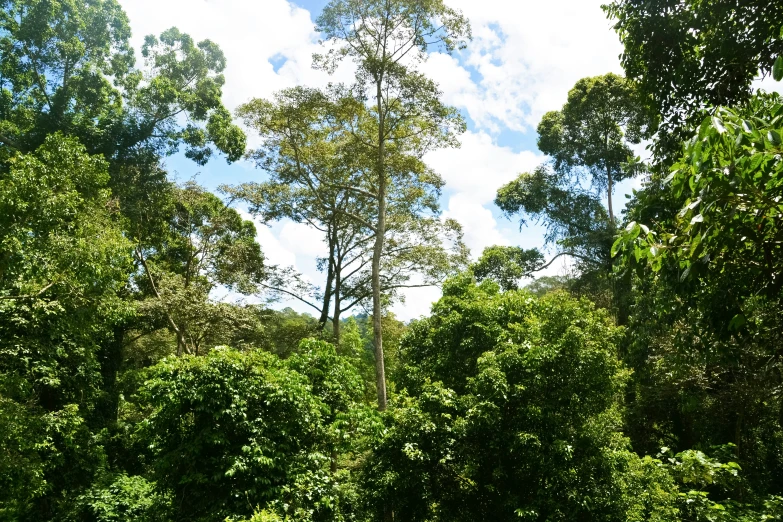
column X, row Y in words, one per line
column 686, row 56
column 320, row 174
column 205, row 246
column 386, row 39
column 68, row 66
column 591, row 136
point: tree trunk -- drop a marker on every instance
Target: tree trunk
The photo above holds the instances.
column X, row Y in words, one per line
column 609, row 191
column 380, row 372
column 608, row 179
column 181, row 343
column 328, row 290
column 337, row 304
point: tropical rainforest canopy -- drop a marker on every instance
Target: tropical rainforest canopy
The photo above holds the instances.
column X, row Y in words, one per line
column 646, row 386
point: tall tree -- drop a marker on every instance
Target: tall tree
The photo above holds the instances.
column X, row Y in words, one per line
column 204, row 245
column 386, row 39
column 589, row 145
column 321, row 175
column 592, row 132
column 68, row 66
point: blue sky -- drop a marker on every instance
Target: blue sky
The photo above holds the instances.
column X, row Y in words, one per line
column 524, row 58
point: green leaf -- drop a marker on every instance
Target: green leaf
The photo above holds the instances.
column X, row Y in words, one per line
column 737, row 322
column 718, row 124
column 635, row 231
column 773, row 137
column 695, row 244
column 616, row 245
column 777, row 69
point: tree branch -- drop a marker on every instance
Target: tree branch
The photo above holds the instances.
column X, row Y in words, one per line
column 295, row 296
column 10, row 142
column 29, row 296
column 572, row 254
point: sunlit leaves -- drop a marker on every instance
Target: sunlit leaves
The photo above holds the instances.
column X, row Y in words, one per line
column 508, row 402
column 730, row 176
column 689, row 55
column 777, row 69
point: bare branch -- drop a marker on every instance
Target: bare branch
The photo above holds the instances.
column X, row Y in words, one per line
column 10, row 142
column 29, row 296
column 572, row 254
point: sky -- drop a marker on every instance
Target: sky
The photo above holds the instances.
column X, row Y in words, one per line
column 524, row 58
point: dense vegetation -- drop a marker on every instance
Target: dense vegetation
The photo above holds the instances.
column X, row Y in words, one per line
column 645, row 386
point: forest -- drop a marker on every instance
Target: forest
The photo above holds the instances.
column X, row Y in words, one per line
column 647, row 385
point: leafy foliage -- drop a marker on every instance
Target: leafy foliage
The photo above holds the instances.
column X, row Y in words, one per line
column 592, row 133
column 509, row 405
column 231, row 431
column 689, row 55
column 68, row 66
column 706, row 311
column 63, row 261
column 506, row 265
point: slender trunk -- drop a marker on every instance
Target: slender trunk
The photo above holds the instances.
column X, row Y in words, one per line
column 336, row 327
column 337, row 304
column 111, row 360
column 380, row 372
column 738, row 447
column 609, row 183
column 608, row 179
column 181, row 343
column 328, row 290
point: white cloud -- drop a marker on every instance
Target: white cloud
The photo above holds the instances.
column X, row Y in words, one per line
column 274, row 251
column 768, row 84
column 478, row 223
column 527, row 55
column 418, row 302
column 252, row 34
column 479, row 167
column 473, row 175
column 303, row 240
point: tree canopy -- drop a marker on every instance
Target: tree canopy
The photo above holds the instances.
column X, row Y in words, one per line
column 148, row 369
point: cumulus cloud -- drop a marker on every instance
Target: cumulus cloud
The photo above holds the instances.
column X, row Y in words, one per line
column 479, row 167
column 524, row 58
column 274, row 250
column 418, row 302
column 303, row 240
column 473, row 175
column 268, row 44
column 481, row 229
